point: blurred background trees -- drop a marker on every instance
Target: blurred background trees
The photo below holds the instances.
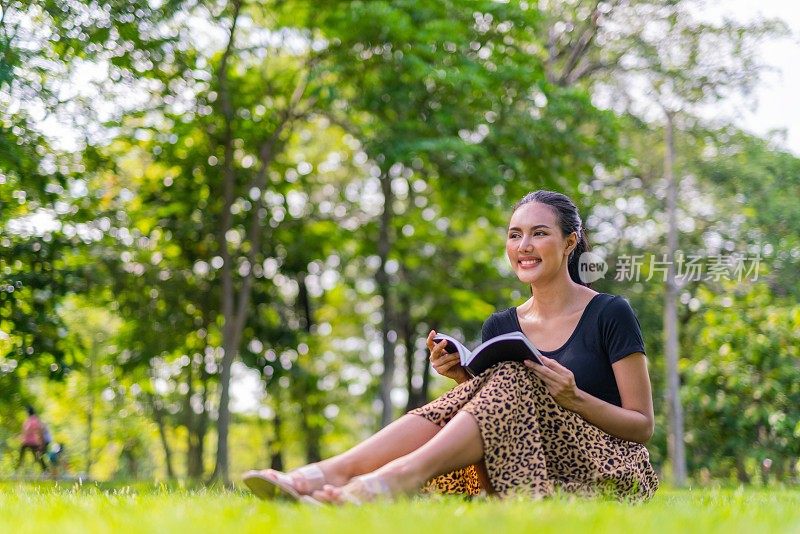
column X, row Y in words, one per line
column 227, row 227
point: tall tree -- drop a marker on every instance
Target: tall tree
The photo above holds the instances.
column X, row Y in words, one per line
column 454, row 122
column 45, row 214
column 657, row 59
column 236, row 298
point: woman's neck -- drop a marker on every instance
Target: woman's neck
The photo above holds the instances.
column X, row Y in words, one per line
column 553, row 299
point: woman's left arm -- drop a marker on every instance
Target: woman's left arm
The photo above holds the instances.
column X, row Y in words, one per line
column 633, row 421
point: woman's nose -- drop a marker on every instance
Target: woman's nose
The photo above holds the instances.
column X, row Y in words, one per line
column 526, row 243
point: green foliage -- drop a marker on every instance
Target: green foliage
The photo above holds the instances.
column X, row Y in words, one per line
column 761, row 185
column 741, row 388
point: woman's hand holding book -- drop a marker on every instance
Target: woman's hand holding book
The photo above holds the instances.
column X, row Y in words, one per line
column 448, row 365
column 560, row 382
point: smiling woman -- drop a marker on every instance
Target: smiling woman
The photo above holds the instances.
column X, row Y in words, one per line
column 577, row 423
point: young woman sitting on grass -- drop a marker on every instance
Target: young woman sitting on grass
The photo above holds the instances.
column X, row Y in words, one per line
column 576, row 424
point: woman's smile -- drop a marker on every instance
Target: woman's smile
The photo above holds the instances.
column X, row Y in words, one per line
column 529, row 263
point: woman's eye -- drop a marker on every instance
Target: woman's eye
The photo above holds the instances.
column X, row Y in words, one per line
column 539, row 233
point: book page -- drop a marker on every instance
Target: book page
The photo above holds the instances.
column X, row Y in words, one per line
column 453, row 345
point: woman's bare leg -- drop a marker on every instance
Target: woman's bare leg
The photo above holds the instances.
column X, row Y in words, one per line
column 457, row 445
column 391, row 442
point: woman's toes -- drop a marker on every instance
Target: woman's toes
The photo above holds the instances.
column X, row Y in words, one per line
column 335, row 495
column 321, row 494
column 300, row 485
column 326, row 494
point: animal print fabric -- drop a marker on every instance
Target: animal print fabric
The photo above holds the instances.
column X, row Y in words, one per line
column 535, row 447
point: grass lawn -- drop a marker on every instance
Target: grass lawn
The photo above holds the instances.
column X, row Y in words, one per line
column 63, row 508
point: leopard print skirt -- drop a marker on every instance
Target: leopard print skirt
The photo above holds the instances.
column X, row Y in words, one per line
column 535, row 447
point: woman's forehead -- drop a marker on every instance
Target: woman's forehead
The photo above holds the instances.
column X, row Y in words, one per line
column 533, row 214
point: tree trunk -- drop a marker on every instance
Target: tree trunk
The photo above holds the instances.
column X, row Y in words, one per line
column 676, row 448
column 189, row 420
column 196, row 432
column 235, row 305
column 275, row 447
column 230, row 346
column 416, row 396
column 229, row 342
column 311, row 432
column 382, row 280
column 202, row 429
column 194, row 454
column 404, row 327
column 741, row 471
column 197, row 423
column 131, row 458
column 89, row 411
column 305, row 384
column 426, row 382
column 304, row 300
column 158, row 415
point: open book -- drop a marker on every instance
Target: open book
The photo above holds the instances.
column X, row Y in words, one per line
column 511, row 347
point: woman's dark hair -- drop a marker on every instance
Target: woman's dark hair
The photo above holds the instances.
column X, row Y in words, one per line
column 568, row 220
column 30, row 410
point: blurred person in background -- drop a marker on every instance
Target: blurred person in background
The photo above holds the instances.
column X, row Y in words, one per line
column 33, row 438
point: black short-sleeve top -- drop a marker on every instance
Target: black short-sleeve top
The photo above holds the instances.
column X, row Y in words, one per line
column 607, row 331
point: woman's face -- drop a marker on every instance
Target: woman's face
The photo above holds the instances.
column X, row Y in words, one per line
column 535, row 245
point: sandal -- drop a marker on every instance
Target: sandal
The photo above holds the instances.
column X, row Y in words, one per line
column 364, row 489
column 271, row 484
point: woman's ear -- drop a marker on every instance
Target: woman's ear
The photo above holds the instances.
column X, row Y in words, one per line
column 572, row 243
